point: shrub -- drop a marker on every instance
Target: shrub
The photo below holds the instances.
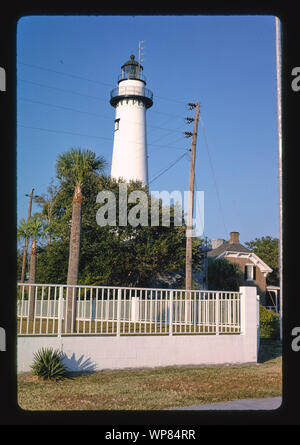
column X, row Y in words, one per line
column 223, row 275
column 269, row 324
column 48, row 364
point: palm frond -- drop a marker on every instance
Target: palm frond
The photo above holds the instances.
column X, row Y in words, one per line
column 33, row 228
column 23, row 230
column 76, row 164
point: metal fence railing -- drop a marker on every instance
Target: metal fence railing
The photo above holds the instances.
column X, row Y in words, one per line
column 54, row 309
column 131, row 91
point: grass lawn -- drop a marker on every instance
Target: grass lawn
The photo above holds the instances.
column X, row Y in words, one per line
column 43, row 326
column 157, row 389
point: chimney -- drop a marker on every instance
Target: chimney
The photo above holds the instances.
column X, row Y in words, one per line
column 234, row 238
column 216, row 243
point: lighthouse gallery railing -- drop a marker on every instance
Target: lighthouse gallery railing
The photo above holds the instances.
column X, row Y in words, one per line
column 131, row 91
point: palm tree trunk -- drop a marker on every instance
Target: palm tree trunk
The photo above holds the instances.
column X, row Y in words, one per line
column 32, row 272
column 73, row 267
column 24, row 261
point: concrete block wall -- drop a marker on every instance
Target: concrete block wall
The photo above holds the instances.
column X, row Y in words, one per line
column 95, row 353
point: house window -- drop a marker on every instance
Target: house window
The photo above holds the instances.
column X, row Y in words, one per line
column 250, row 272
column 117, row 124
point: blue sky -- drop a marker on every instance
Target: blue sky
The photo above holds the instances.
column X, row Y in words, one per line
column 67, row 66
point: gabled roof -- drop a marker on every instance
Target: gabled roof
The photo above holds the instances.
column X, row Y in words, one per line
column 227, row 247
column 238, row 250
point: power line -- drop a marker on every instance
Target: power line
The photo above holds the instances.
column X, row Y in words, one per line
column 197, row 197
column 170, row 131
column 63, row 107
column 50, row 130
column 92, row 114
column 64, row 132
column 64, row 90
column 41, row 85
column 164, row 146
column 89, row 96
column 166, row 122
column 75, row 76
column 170, row 99
column 167, row 114
column 168, row 168
column 213, row 175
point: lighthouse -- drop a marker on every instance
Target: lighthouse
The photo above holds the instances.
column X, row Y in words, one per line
column 131, row 100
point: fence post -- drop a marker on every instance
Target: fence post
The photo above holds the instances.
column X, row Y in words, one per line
column 217, row 313
column 171, row 313
column 31, row 302
column 60, row 310
column 134, row 313
column 258, row 322
column 242, row 310
column 119, row 313
column 249, row 318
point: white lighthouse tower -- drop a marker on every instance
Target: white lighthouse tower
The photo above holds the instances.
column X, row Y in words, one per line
column 131, row 100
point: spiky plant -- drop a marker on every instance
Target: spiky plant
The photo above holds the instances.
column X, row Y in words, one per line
column 48, row 364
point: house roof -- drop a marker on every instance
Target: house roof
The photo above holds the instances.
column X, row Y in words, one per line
column 238, row 250
column 227, row 247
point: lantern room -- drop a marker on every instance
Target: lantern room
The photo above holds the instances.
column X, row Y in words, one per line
column 132, row 70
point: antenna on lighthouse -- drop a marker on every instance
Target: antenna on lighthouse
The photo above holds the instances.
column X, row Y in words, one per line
column 140, row 59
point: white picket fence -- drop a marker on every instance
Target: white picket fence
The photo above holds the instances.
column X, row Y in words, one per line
column 102, row 310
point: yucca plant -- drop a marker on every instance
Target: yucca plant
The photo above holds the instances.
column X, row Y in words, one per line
column 48, row 364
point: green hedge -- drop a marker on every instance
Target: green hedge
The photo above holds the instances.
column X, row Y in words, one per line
column 269, row 324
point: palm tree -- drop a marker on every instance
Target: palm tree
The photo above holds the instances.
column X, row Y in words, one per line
column 75, row 166
column 47, row 203
column 34, row 228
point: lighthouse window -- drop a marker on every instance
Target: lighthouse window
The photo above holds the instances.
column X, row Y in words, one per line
column 117, row 124
column 131, row 71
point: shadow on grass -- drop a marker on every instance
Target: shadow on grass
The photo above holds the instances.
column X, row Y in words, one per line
column 269, row 350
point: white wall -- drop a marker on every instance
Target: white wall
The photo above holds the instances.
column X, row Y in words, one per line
column 92, row 353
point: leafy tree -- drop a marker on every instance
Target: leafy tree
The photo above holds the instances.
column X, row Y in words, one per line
column 19, row 263
column 269, row 323
column 34, row 228
column 47, row 202
column 267, row 248
column 223, row 275
column 139, row 254
column 120, row 255
column 52, row 264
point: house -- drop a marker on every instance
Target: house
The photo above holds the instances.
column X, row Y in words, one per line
column 254, row 270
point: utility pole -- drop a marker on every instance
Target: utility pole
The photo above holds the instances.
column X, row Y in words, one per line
column 25, row 244
column 188, row 267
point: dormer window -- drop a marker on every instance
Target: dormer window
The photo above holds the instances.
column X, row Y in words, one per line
column 250, row 272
